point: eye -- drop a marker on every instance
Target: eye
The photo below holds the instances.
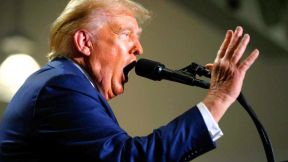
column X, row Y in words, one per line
column 126, row 33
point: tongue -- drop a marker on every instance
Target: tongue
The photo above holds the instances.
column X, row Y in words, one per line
column 127, row 69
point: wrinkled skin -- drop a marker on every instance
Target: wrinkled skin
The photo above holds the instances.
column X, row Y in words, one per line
column 112, row 46
column 228, row 72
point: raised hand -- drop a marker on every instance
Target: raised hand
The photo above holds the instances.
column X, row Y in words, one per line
column 228, row 72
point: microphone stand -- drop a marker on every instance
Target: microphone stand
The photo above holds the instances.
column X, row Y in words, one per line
column 195, row 69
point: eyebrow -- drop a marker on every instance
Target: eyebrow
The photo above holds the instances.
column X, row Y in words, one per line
column 130, row 28
column 116, row 28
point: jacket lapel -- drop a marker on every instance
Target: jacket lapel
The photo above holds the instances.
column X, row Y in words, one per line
column 67, row 67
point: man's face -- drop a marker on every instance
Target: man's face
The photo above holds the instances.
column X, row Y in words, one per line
column 115, row 47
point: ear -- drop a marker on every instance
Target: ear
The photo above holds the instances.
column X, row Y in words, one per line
column 82, row 42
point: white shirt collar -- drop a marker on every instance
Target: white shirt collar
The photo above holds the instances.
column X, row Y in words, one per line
column 83, row 71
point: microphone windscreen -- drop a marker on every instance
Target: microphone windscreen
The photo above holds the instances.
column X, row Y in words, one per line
column 149, row 69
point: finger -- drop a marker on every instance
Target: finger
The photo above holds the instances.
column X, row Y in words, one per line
column 234, row 42
column 241, row 48
column 224, row 45
column 209, row 66
column 249, row 60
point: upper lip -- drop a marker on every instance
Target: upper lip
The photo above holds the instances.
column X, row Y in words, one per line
column 127, row 69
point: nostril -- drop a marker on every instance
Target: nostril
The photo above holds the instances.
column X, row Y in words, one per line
column 136, row 52
column 137, row 48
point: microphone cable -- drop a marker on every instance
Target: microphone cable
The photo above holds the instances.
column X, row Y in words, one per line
column 188, row 75
column 194, row 69
column 262, row 132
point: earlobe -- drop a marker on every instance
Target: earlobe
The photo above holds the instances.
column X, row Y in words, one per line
column 82, row 42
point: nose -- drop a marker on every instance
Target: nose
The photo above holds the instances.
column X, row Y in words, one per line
column 137, row 49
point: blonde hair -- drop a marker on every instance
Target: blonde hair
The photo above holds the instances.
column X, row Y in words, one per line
column 77, row 14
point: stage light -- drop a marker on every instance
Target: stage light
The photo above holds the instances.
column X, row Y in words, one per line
column 14, row 70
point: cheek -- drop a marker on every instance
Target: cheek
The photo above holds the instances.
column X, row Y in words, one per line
column 113, row 52
column 121, row 51
column 123, row 47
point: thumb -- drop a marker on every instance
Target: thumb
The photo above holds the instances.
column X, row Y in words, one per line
column 209, row 66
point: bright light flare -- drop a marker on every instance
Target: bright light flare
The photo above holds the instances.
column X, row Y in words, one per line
column 14, row 70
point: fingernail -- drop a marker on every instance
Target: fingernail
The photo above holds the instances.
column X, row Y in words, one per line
column 228, row 32
column 246, row 36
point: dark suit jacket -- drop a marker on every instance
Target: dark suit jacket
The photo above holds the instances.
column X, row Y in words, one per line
column 58, row 115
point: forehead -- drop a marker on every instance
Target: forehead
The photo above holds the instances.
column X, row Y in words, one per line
column 116, row 20
column 124, row 22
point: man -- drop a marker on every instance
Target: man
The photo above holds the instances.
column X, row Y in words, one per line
column 61, row 111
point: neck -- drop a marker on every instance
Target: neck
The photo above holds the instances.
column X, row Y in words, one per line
column 84, row 65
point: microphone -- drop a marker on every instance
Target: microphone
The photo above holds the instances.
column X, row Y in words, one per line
column 157, row 71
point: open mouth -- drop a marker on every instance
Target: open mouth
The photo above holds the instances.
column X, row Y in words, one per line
column 127, row 69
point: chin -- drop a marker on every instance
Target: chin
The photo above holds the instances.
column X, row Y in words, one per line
column 116, row 91
column 119, row 91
